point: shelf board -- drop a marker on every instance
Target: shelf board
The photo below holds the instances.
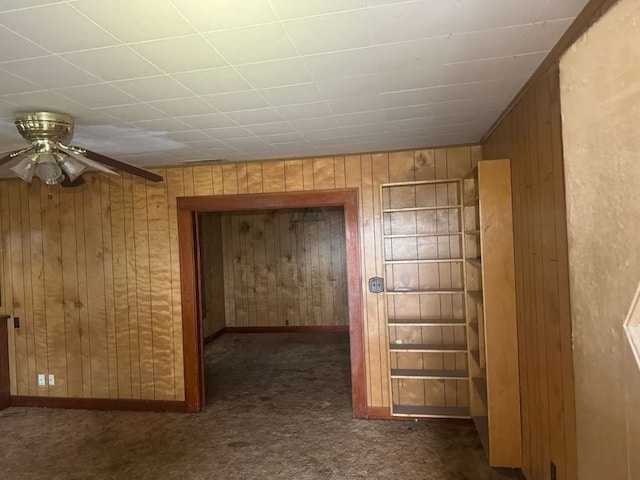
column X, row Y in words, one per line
column 419, row 209
column 420, row 235
column 426, row 348
column 475, row 354
column 435, row 322
column 450, row 291
column 428, row 374
column 476, row 262
column 426, row 260
column 422, row 411
column 476, row 295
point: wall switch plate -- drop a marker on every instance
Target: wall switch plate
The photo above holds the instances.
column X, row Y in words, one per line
column 16, row 322
column 41, row 382
column 376, row 284
column 52, row 379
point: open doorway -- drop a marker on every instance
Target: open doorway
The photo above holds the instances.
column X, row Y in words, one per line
column 193, row 317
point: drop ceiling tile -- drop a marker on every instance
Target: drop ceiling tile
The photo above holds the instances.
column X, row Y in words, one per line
column 281, row 96
column 407, row 98
column 546, row 34
column 112, row 63
column 328, row 33
column 20, row 47
column 227, row 132
column 417, row 123
column 97, row 96
column 165, row 124
column 188, row 136
column 135, row 20
column 493, row 68
column 209, row 120
column 12, row 84
column 409, row 79
column 234, row 101
column 217, row 80
column 348, row 87
column 311, row 124
column 44, row 100
column 425, row 52
column 397, row 22
column 57, row 27
column 476, row 15
column 210, row 15
column 403, row 113
column 271, row 128
column 288, row 9
column 245, row 142
column 552, row 9
column 182, row 107
column 50, row 72
column 253, row 44
column 378, row 128
column 6, row 5
column 496, row 43
column 305, row 110
column 336, row 132
column 277, row 73
column 280, row 138
column 133, row 113
column 180, row 54
column 355, row 104
column 254, row 117
column 466, row 91
column 361, row 118
column 208, row 144
column 348, row 63
column 153, row 88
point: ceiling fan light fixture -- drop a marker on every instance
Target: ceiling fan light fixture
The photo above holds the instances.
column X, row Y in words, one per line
column 71, row 166
column 48, row 170
column 26, row 168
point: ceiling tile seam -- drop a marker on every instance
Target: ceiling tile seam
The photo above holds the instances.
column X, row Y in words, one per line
column 223, row 58
column 295, row 47
column 31, row 7
column 487, row 59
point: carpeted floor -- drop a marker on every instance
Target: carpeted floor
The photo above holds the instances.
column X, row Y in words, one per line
column 278, row 407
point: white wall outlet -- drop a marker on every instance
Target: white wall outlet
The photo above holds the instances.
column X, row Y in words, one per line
column 41, row 382
column 52, row 379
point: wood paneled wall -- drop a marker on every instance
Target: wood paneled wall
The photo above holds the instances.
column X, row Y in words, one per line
column 212, row 273
column 93, row 272
column 285, row 267
column 530, row 134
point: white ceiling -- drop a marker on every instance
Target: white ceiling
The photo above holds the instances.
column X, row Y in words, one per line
column 165, row 81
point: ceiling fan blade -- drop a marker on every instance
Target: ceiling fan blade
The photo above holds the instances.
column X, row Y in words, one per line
column 66, row 183
column 125, row 167
column 13, row 155
column 86, row 161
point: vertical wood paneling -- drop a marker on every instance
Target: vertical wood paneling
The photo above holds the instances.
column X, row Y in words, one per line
column 530, row 136
column 94, row 273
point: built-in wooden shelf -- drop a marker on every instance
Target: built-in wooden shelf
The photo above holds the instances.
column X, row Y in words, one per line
column 435, row 374
column 434, row 412
column 480, row 385
column 476, row 262
column 420, row 209
column 436, row 322
column 426, row 348
column 472, row 232
column 426, row 260
column 472, row 202
column 475, row 354
column 449, row 291
column 482, row 426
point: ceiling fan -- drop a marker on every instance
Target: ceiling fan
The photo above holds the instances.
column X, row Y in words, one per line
column 53, row 160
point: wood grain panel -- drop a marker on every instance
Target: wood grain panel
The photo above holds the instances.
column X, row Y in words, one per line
column 108, row 322
column 316, row 254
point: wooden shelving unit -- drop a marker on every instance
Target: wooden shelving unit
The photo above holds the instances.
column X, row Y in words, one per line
column 424, row 269
column 490, row 311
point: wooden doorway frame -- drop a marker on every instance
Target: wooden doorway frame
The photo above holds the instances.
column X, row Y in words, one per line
column 192, row 331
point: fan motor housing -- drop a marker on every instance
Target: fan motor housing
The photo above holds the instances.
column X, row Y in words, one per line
column 44, row 127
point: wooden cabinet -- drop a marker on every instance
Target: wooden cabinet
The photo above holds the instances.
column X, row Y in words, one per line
column 424, row 273
column 491, row 311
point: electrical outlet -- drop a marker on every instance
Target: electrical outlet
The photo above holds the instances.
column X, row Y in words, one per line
column 553, row 471
column 52, row 379
column 16, row 322
column 41, row 382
